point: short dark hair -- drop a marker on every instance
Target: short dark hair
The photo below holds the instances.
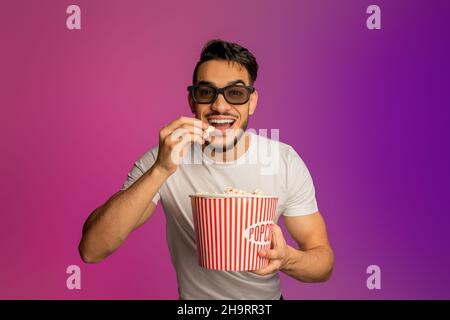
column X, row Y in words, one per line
column 222, row 50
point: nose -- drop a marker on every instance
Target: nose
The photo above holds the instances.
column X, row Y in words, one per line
column 220, row 105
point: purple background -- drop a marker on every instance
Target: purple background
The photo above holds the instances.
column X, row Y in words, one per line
column 368, row 111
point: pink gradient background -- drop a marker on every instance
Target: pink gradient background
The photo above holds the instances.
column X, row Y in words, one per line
column 366, row 110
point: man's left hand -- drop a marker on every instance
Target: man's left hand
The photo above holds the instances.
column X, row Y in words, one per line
column 277, row 254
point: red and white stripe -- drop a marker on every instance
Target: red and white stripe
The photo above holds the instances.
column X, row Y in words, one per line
column 220, row 225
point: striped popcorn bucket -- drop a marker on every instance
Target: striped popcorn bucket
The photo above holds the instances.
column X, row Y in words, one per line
column 231, row 230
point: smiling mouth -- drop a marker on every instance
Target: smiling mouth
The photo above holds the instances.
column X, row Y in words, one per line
column 222, row 124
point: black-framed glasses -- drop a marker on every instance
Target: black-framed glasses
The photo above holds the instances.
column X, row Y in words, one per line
column 233, row 94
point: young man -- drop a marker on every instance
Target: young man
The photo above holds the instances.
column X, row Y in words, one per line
column 222, row 95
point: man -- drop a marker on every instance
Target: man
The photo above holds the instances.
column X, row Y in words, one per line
column 222, row 95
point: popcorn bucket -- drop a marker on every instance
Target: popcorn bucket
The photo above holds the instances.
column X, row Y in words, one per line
column 230, row 230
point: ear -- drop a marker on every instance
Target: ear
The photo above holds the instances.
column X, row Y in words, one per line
column 191, row 103
column 253, row 102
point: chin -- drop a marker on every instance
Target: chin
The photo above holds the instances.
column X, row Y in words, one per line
column 227, row 140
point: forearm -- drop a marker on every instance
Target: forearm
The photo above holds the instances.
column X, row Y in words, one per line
column 313, row 265
column 109, row 225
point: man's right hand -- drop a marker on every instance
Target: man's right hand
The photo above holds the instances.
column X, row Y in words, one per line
column 174, row 140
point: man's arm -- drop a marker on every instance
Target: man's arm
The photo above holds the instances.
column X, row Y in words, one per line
column 109, row 225
column 313, row 261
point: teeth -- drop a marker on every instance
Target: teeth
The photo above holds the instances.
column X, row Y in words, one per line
column 221, row 121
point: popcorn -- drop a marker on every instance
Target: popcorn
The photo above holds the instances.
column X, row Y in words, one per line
column 201, row 193
column 208, row 132
column 232, row 191
column 258, row 192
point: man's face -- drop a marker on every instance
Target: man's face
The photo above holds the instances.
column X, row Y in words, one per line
column 221, row 73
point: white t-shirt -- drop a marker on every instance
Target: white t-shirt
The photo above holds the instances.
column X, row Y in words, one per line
column 270, row 166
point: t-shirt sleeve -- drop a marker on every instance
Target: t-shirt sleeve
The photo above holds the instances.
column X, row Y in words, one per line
column 139, row 168
column 301, row 199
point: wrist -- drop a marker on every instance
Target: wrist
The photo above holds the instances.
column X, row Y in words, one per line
column 293, row 256
column 161, row 172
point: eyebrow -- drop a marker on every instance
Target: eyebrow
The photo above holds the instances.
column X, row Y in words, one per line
column 228, row 84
